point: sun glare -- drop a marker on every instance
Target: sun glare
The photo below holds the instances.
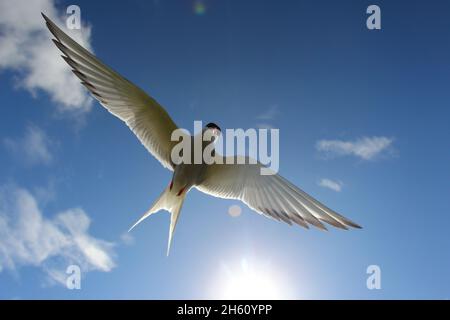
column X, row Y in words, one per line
column 250, row 281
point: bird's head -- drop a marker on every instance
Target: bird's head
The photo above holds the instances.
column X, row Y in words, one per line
column 213, row 129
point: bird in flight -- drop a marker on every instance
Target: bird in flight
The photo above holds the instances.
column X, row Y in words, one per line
column 270, row 195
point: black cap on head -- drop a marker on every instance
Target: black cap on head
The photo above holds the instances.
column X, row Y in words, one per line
column 212, row 125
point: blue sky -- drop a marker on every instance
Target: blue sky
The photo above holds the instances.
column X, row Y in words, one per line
column 365, row 110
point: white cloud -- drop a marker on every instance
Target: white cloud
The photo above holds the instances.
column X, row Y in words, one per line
column 27, row 49
column 28, row 238
column 33, row 147
column 330, row 184
column 366, row 148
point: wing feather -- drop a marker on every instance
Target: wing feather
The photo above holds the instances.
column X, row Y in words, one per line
column 143, row 115
column 270, row 195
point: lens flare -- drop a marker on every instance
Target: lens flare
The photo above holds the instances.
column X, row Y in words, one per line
column 234, row 210
column 199, row 8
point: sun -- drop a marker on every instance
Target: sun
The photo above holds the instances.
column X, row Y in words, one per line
column 250, row 281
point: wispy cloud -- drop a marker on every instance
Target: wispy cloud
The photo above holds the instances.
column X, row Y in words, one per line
column 26, row 48
column 127, row 238
column 265, row 118
column 32, row 148
column 330, row 184
column 366, row 148
column 269, row 114
column 28, row 238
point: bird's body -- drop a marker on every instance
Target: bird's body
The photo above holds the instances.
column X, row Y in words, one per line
column 271, row 195
column 184, row 177
column 189, row 174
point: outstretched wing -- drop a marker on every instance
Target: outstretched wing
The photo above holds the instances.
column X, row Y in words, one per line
column 271, row 195
column 143, row 115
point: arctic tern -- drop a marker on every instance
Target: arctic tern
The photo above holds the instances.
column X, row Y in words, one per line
column 270, row 195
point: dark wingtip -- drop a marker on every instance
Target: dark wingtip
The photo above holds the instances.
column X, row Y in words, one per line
column 90, row 86
column 59, row 45
column 80, row 75
column 95, row 94
column 353, row 225
column 319, row 225
column 70, row 62
column 51, row 26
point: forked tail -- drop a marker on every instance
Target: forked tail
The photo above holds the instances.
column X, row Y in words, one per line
column 170, row 202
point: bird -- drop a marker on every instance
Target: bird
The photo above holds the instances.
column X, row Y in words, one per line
column 270, row 195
